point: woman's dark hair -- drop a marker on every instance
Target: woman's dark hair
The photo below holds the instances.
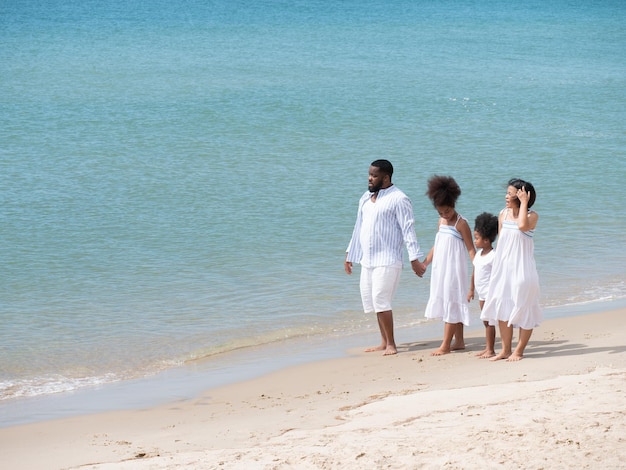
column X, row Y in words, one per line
column 443, row 191
column 527, row 185
column 486, row 225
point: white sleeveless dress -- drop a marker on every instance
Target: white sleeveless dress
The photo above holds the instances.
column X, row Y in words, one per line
column 449, row 277
column 513, row 294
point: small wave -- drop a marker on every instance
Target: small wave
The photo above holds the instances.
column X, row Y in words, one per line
column 49, row 385
column 584, row 292
column 265, row 339
column 574, row 303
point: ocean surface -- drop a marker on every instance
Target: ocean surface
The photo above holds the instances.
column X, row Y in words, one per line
column 179, row 180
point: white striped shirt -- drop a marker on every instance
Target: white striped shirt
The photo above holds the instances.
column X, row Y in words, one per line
column 382, row 229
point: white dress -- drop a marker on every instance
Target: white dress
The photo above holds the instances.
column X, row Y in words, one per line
column 482, row 272
column 513, row 294
column 449, row 278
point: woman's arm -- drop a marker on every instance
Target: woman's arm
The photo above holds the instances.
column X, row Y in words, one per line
column 525, row 220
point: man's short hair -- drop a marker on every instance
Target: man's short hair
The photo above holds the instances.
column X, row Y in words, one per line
column 385, row 166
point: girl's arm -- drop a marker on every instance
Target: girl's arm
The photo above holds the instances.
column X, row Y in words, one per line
column 466, row 233
column 429, row 256
column 470, row 294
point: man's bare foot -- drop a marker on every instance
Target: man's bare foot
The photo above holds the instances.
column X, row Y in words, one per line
column 440, row 352
column 515, row 357
column 457, row 346
column 486, row 354
column 390, row 351
column 382, row 347
column 500, row 356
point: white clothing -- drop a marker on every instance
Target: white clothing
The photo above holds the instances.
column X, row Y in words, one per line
column 482, row 272
column 513, row 294
column 449, row 279
column 378, row 287
column 382, row 229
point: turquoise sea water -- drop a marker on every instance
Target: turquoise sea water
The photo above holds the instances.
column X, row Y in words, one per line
column 179, row 179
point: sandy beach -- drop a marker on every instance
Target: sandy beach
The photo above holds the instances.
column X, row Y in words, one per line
column 563, row 406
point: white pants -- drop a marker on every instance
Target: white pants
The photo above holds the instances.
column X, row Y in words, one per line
column 378, row 287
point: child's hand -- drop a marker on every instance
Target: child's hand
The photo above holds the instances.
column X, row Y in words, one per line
column 470, row 296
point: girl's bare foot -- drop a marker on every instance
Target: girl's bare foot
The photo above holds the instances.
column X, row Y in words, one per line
column 486, row 354
column 390, row 351
column 500, row 356
column 457, row 346
column 515, row 357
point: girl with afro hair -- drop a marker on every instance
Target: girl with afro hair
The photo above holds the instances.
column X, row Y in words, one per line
column 449, row 258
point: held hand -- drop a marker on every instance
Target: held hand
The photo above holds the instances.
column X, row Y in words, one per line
column 470, row 296
column 347, row 265
column 418, row 268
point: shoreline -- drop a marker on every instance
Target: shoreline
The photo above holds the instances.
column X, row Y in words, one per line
column 189, row 381
column 319, row 414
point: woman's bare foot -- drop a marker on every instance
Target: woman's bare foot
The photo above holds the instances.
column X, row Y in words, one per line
column 440, row 352
column 390, row 351
column 502, row 355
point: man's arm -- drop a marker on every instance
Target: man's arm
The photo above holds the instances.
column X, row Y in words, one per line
column 406, row 221
column 354, row 251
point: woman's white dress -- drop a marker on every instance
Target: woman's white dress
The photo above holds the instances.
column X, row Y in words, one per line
column 449, row 277
column 513, row 294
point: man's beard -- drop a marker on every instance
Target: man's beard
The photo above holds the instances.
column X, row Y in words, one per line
column 374, row 188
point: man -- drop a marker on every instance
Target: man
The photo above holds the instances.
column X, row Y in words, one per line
column 383, row 225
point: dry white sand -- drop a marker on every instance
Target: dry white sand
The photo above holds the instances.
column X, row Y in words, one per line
column 563, row 406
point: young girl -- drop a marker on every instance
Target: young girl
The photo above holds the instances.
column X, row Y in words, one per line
column 513, row 296
column 485, row 233
column 449, row 279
